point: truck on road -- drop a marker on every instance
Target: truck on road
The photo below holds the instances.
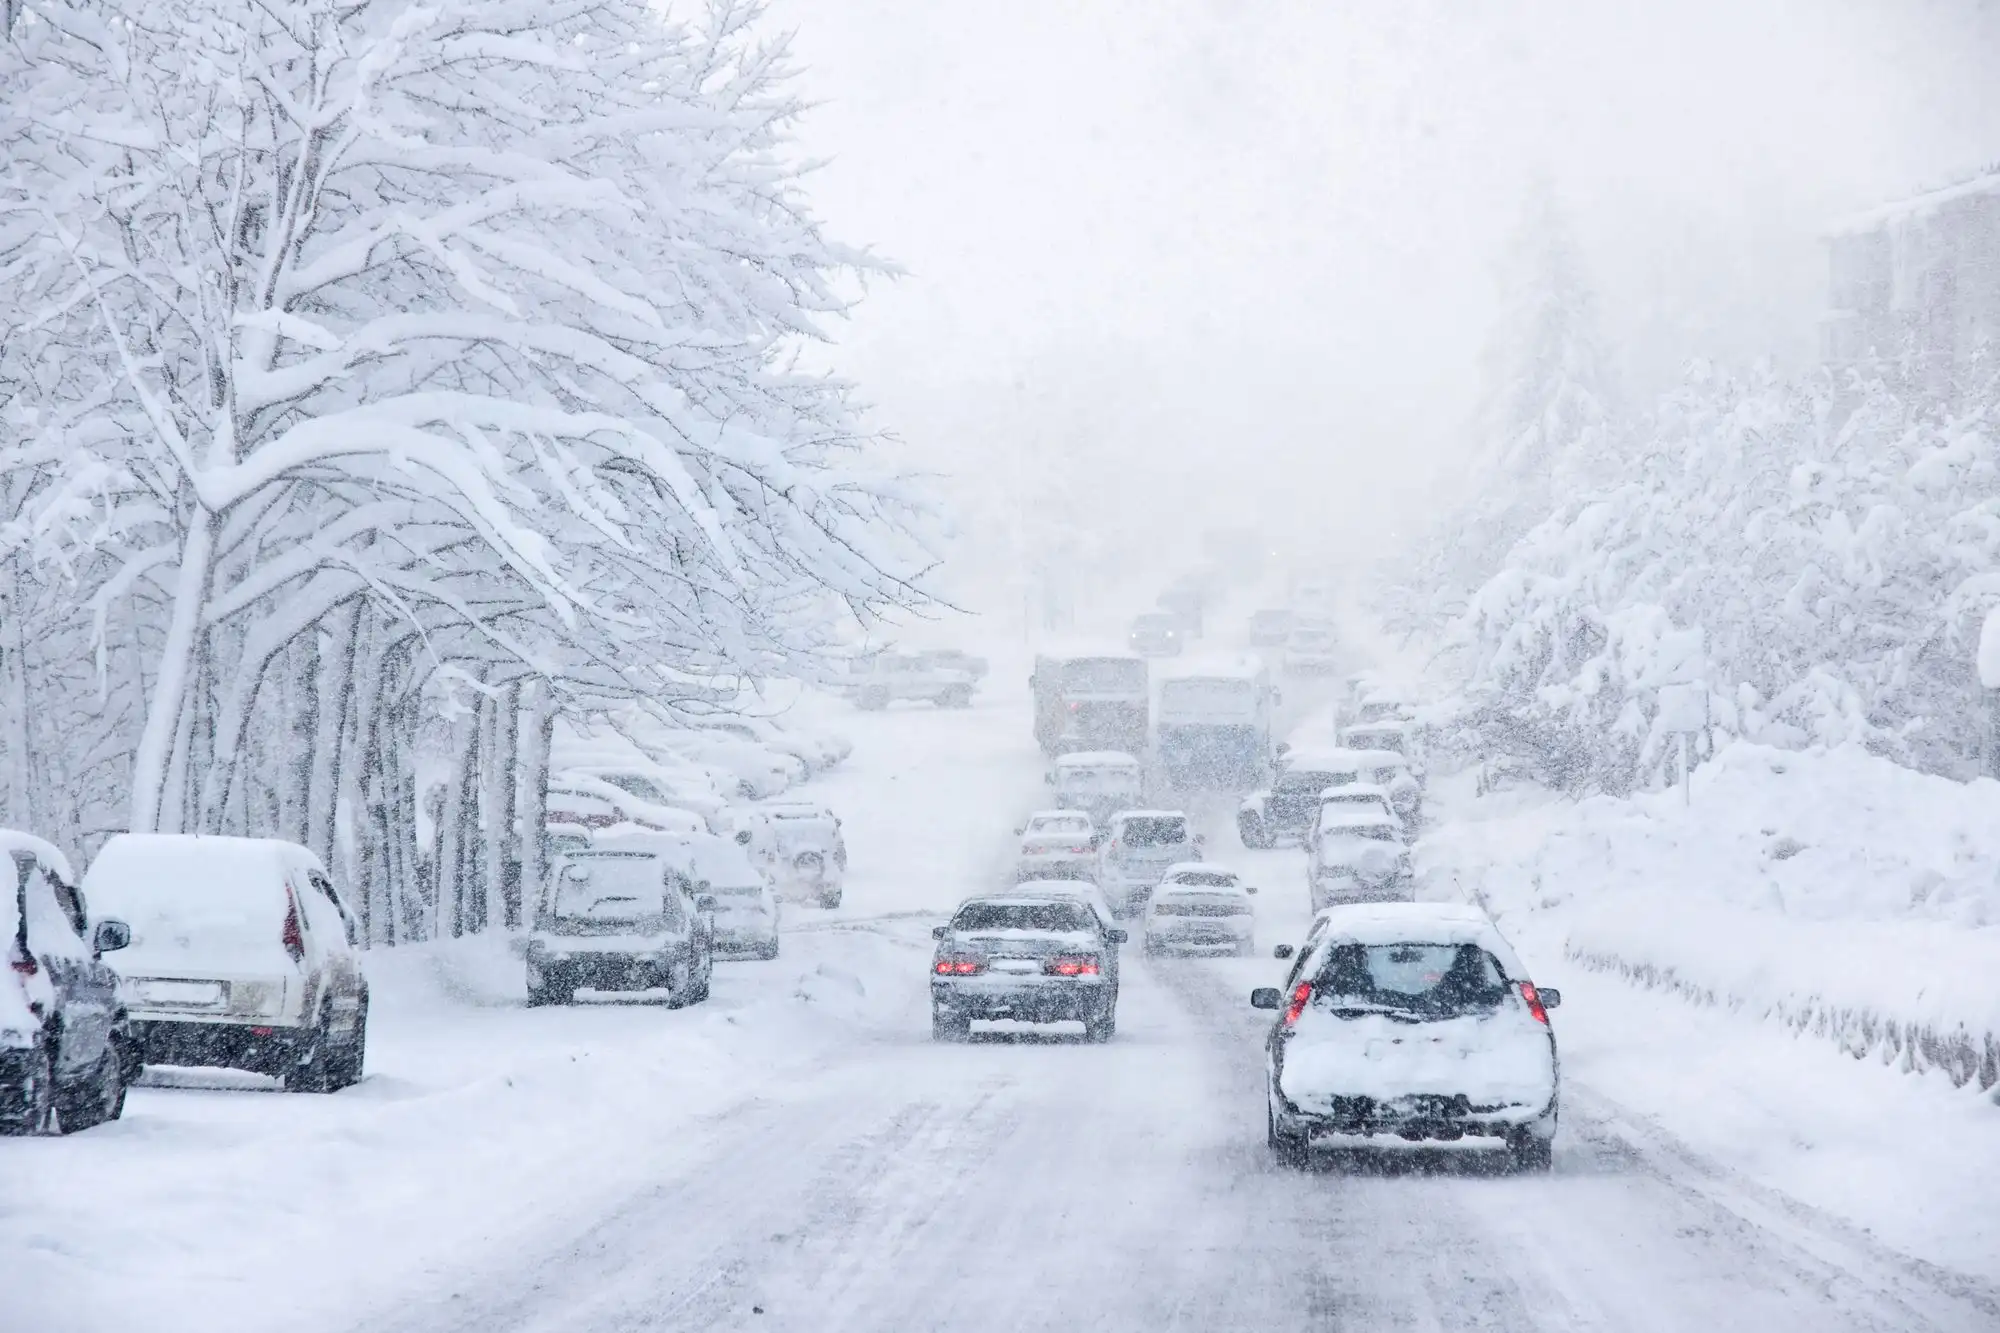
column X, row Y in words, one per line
column 1213, row 725
column 1090, row 701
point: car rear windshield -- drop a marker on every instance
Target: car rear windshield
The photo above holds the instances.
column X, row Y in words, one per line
column 1060, row 917
column 735, row 890
column 608, row 888
column 1105, row 675
column 1155, row 831
column 1182, row 904
column 1371, row 832
column 1305, row 782
column 1208, row 879
column 1432, row 980
column 1112, row 775
column 1059, row 828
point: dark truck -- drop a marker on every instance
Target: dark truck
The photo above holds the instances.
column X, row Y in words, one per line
column 1090, row 702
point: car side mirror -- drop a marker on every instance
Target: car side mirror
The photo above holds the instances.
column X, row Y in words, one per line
column 1283, row 951
column 110, row 936
column 705, row 902
column 1551, row 997
column 1266, row 997
column 1019, row 829
column 1250, row 889
column 1116, row 936
column 939, row 932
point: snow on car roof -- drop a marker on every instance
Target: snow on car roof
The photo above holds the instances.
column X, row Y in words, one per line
column 1418, row 923
column 1150, row 814
column 1348, row 793
column 1081, row 816
column 702, row 855
column 48, row 853
column 192, row 863
column 1232, row 667
column 1203, row 867
column 1376, row 759
column 1095, row 758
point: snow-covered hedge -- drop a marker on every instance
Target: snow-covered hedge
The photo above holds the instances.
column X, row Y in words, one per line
column 1829, row 890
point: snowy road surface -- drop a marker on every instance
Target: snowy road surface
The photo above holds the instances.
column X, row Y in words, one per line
column 798, row 1155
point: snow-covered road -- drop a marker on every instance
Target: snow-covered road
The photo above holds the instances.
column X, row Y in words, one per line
column 798, row 1155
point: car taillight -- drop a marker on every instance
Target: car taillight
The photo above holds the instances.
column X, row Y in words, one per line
column 1301, row 996
column 958, row 967
column 23, row 962
column 1076, row 707
column 1085, row 966
column 1534, row 999
column 294, row 942
column 1079, row 851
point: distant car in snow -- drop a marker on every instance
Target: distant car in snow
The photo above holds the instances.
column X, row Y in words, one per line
column 1157, row 634
column 815, row 750
column 886, row 677
column 1357, row 856
column 1409, row 1022
column 584, row 800
column 67, row 1053
column 1031, row 955
column 1365, row 796
column 1056, row 844
column 241, row 955
column 1312, row 648
column 1137, row 848
column 797, row 846
column 1200, row 908
column 955, row 659
column 1099, row 783
column 1269, row 628
column 621, row 915
column 1284, row 811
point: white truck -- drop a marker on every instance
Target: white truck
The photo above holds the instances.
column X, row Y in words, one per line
column 880, row 680
column 1213, row 724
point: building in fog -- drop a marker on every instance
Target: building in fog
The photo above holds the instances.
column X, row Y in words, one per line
column 1918, row 280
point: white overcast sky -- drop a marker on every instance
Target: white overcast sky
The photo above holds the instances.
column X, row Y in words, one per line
column 1240, row 254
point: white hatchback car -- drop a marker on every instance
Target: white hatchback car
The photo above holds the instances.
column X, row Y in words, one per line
column 242, row 955
column 1200, row 908
column 1414, row 1022
column 1056, row 844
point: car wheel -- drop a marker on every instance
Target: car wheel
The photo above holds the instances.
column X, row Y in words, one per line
column 313, row 1072
column 99, row 1098
column 351, row 1055
column 1102, row 1028
column 830, row 899
column 1532, row 1154
column 35, row 1112
column 1287, row 1150
column 769, row 951
column 700, row 991
column 949, row 1025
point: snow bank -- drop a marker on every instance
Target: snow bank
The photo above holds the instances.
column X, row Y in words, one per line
column 1831, row 891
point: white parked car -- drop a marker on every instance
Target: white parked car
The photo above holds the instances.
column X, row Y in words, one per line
column 1409, row 1022
column 1056, row 844
column 242, row 956
column 746, row 908
column 587, row 801
column 676, row 785
column 1357, row 856
column 1200, row 908
column 881, row 680
column 816, row 751
column 757, row 771
column 797, row 846
column 1098, row 782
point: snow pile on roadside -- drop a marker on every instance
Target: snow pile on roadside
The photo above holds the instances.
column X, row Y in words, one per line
column 1832, row 891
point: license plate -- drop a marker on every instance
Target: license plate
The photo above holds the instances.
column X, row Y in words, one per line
column 1016, row 965
column 197, row 993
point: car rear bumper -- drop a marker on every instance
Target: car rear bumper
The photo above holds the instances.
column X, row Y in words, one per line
column 1422, row 1118
column 1328, row 893
column 1178, row 941
column 1029, row 999
column 257, row 1047
column 607, row 971
column 1055, row 867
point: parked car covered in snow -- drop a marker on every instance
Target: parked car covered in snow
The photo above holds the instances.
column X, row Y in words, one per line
column 817, row 751
column 956, row 659
column 1392, row 734
column 752, row 770
column 1357, row 856
column 746, row 910
column 1270, row 627
column 678, row 785
column 797, row 846
column 1137, row 849
column 1200, row 908
column 241, row 955
column 1030, row 955
column 886, row 677
column 66, row 1047
column 1098, row 782
column 621, row 915
column 1409, row 1022
column 1056, row 844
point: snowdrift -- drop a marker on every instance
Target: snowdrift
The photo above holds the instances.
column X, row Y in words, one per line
column 1831, row 891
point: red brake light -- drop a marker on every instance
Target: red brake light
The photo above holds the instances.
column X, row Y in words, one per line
column 1071, row 967
column 1075, row 707
column 958, row 967
column 1301, row 996
column 294, row 942
column 1534, row 1000
column 1080, row 851
column 24, row 963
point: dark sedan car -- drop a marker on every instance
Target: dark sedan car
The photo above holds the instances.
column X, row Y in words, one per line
column 1039, row 957
column 66, row 1048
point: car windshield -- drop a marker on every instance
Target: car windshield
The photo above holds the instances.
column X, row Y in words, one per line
column 1104, row 675
column 614, row 888
column 1155, row 831
column 1307, row 782
column 1434, row 980
column 1065, row 918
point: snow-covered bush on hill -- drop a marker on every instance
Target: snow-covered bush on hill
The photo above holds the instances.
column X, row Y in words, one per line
column 1832, row 891
column 378, row 379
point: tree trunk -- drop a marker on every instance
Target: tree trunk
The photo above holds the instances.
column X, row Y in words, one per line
column 336, row 703
column 298, row 755
column 165, row 711
column 541, row 725
column 20, row 798
column 501, row 774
